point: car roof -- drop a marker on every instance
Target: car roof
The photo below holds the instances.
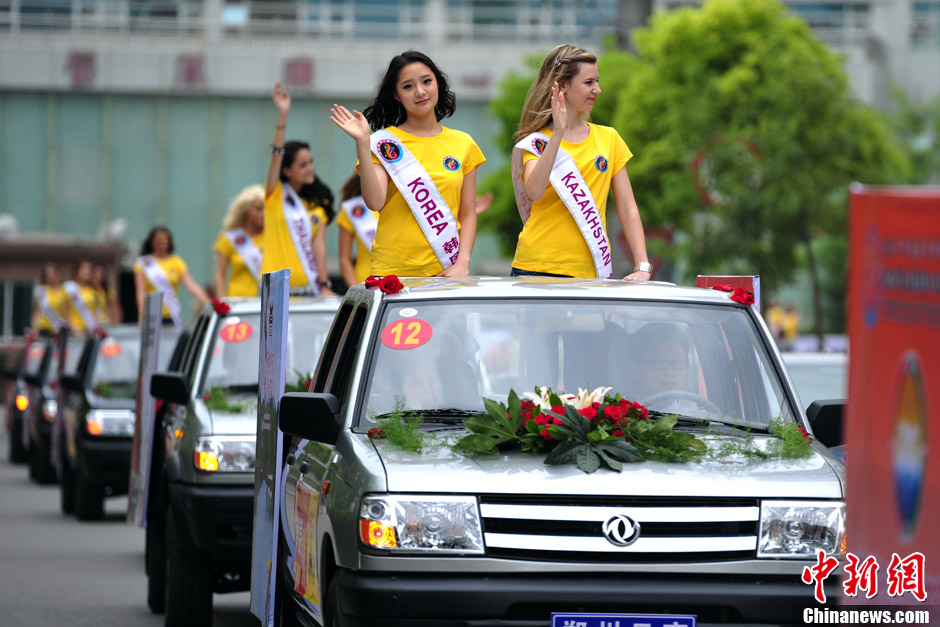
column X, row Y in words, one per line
column 296, row 304
column 439, row 288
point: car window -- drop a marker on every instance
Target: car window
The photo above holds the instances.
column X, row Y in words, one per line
column 337, row 329
column 695, row 360
column 118, row 363
column 342, row 373
column 233, row 363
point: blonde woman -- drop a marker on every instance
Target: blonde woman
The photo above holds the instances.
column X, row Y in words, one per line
column 563, row 168
column 240, row 245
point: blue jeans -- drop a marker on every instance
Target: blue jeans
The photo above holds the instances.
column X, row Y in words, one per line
column 518, row 272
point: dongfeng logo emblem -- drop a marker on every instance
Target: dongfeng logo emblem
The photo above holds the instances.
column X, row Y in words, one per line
column 621, row 530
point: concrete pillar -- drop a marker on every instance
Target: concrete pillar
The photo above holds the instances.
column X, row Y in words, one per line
column 631, row 14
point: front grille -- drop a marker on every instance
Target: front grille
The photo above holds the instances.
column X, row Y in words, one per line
column 570, row 528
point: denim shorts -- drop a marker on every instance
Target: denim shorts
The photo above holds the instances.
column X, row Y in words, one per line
column 518, row 272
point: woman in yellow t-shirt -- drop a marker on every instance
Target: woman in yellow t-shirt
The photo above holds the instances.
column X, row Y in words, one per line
column 82, row 299
column 299, row 247
column 355, row 254
column 240, row 245
column 108, row 309
column 558, row 105
column 158, row 269
column 412, row 98
column 49, row 302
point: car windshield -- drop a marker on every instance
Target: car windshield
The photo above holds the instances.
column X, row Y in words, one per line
column 118, row 363
column 693, row 360
column 234, row 362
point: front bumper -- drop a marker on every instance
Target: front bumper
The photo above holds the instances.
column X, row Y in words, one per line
column 217, row 519
column 476, row 600
column 107, row 462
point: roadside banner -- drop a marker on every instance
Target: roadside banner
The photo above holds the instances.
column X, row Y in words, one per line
column 142, row 449
column 750, row 283
column 892, row 421
column 58, row 426
column 272, row 377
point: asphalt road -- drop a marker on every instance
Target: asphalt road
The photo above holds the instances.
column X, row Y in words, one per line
column 55, row 570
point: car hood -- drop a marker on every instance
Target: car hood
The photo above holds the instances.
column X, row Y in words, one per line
column 515, row 472
column 235, row 423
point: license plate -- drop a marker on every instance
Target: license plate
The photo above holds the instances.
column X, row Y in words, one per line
column 622, row 620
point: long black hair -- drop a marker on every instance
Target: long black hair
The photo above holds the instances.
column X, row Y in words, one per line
column 147, row 248
column 316, row 193
column 386, row 110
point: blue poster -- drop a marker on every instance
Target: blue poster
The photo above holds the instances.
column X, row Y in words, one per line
column 272, row 377
column 622, row 620
column 144, row 411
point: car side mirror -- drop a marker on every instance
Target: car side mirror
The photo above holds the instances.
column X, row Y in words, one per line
column 310, row 416
column 71, row 382
column 825, row 416
column 170, row 386
column 32, row 379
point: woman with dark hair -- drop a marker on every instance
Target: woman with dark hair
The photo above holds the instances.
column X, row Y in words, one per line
column 81, row 298
column 423, row 175
column 563, row 168
column 49, row 302
column 357, row 225
column 297, row 208
column 159, row 270
column 107, row 307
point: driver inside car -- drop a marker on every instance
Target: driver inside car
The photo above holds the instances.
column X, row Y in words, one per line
column 660, row 368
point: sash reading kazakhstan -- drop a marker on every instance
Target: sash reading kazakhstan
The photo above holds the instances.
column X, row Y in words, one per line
column 298, row 225
column 74, row 291
column 42, row 298
column 247, row 250
column 362, row 219
column 435, row 218
column 571, row 188
column 159, row 280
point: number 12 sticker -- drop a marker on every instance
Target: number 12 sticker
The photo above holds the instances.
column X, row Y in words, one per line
column 407, row 334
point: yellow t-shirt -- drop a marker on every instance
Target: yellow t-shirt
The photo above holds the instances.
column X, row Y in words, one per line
column 277, row 246
column 90, row 297
column 56, row 297
column 400, row 247
column 361, row 252
column 174, row 267
column 550, row 241
column 103, row 300
column 241, row 281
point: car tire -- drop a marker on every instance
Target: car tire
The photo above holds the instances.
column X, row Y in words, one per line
column 189, row 581
column 331, row 616
column 156, row 564
column 67, row 489
column 45, row 471
column 18, row 452
column 33, row 460
column 89, row 499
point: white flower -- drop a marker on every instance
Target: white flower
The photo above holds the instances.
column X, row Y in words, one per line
column 540, row 398
column 586, row 398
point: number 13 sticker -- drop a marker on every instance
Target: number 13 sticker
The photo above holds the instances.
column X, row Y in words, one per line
column 406, row 334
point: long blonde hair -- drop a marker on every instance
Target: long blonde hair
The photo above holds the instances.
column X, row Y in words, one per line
column 560, row 65
column 235, row 216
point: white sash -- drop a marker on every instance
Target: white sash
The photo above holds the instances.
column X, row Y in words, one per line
column 435, row 218
column 365, row 223
column 247, row 250
column 574, row 193
column 298, row 225
column 159, row 280
column 42, row 298
column 74, row 291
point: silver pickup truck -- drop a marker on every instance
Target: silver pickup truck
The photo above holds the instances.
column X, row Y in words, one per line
column 374, row 534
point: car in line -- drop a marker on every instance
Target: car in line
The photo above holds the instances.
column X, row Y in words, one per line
column 40, row 417
column 375, row 533
column 18, row 399
column 199, row 513
column 99, row 418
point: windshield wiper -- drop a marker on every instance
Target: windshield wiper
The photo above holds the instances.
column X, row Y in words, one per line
column 441, row 415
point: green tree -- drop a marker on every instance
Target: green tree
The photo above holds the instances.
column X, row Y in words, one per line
column 747, row 137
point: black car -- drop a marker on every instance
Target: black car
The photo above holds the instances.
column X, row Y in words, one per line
column 99, row 419
column 40, row 416
column 18, row 400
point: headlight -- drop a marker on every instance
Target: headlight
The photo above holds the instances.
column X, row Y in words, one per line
column 22, row 402
column 421, row 524
column 225, row 453
column 49, row 409
column 113, row 422
column 801, row 528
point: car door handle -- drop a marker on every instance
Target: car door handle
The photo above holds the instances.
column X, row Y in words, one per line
column 290, row 460
column 304, row 466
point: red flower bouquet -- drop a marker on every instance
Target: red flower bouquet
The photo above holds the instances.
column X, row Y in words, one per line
column 743, row 296
column 220, row 307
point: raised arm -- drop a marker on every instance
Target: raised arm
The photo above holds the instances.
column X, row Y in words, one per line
column 373, row 176
column 346, row 266
column 194, row 288
column 537, row 171
column 629, row 215
column 221, row 264
column 282, row 102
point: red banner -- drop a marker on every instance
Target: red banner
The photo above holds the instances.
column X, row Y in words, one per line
column 893, row 413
